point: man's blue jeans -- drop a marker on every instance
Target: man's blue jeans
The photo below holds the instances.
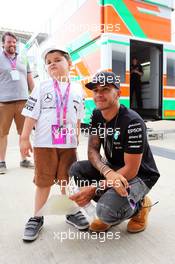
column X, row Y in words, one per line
column 111, row 207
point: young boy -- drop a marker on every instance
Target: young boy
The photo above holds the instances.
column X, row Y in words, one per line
column 54, row 109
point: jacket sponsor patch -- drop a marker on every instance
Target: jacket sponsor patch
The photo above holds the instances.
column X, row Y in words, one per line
column 30, row 103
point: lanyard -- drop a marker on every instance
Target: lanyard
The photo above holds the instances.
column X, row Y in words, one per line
column 12, row 61
column 63, row 102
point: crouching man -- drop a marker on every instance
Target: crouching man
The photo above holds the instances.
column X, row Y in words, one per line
column 129, row 171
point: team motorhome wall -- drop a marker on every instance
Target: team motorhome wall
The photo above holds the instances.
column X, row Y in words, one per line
column 139, row 18
column 142, row 19
column 89, row 35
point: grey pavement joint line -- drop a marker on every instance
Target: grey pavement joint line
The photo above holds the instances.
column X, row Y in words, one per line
column 163, row 152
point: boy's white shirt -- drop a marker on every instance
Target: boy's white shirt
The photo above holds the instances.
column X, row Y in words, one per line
column 41, row 105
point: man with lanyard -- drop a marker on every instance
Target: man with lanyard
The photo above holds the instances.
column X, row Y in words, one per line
column 119, row 183
column 15, row 80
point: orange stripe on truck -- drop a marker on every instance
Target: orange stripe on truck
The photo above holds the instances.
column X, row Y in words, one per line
column 164, row 80
column 169, row 113
column 112, row 19
column 169, row 93
column 153, row 26
column 125, row 91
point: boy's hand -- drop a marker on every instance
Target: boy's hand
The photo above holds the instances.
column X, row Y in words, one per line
column 84, row 196
column 25, row 147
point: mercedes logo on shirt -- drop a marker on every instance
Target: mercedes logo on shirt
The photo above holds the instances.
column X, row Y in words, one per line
column 48, row 97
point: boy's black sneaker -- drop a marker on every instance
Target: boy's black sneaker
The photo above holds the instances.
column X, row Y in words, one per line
column 32, row 228
column 26, row 164
column 78, row 220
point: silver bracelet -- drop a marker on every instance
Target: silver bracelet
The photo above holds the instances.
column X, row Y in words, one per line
column 107, row 172
column 102, row 168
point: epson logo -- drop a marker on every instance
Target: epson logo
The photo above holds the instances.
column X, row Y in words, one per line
column 134, row 130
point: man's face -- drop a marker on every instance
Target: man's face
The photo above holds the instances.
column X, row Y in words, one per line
column 57, row 65
column 105, row 96
column 134, row 61
column 9, row 45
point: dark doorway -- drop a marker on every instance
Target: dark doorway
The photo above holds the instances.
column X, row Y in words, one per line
column 150, row 56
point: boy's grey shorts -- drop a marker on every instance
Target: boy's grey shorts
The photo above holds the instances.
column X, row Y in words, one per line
column 111, row 207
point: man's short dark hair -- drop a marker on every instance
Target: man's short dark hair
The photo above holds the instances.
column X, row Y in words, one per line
column 10, row 34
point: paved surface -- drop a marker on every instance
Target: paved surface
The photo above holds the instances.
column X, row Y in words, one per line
column 156, row 245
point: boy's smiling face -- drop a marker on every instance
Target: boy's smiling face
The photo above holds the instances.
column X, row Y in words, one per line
column 58, row 66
